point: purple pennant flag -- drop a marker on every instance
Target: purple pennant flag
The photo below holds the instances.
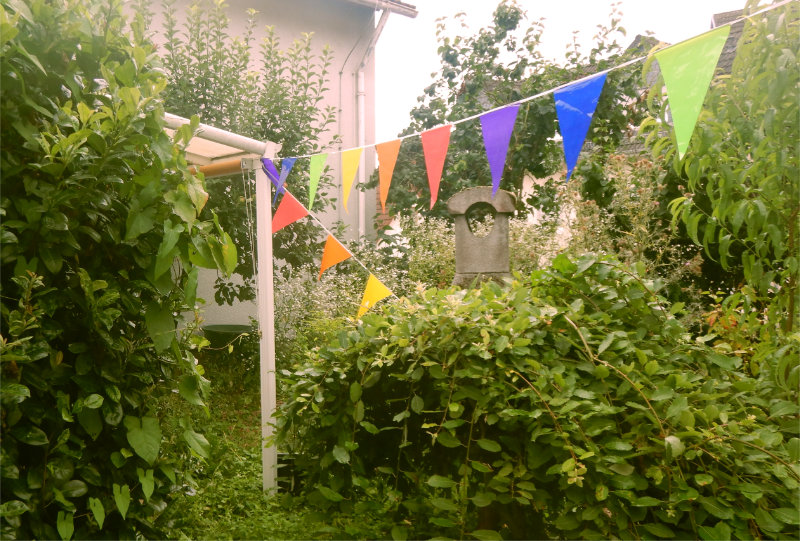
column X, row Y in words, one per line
column 270, row 171
column 497, row 127
column 575, row 106
column 286, row 167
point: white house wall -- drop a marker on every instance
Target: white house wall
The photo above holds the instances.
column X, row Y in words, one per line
column 347, row 29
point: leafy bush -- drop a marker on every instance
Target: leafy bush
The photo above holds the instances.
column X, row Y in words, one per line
column 101, row 239
column 574, row 405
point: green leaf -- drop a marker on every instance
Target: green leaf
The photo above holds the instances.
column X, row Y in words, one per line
column 486, row 535
column 787, row 515
column 160, row 325
column 601, row 493
column 437, row 481
column 75, row 488
column 93, row 401
column 147, row 482
column 446, row 439
column 417, row 403
column 13, row 392
column 182, row 206
column 355, row 392
column 99, row 513
column 677, row 407
column 714, row 508
column 64, row 525
column 229, row 256
column 674, row 447
column 144, row 436
column 341, row 455
column 444, row 504
column 30, row 434
column 122, row 497
column 369, row 427
column 13, row 508
column 482, row 499
column 703, row 479
column 659, row 530
column 399, row 533
column 489, row 445
column 621, row 468
column 197, row 442
column 139, row 222
column 646, row 501
column 719, row 532
column 358, row 412
column 766, row 522
column 189, row 388
column 329, row 494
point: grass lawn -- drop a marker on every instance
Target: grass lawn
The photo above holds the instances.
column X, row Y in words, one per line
column 227, row 502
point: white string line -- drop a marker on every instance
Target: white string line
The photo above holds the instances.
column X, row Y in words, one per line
column 328, row 231
column 555, row 89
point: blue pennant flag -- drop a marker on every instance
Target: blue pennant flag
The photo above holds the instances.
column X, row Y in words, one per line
column 575, row 106
column 278, row 179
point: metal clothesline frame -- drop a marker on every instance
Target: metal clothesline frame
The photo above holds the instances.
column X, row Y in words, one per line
column 248, row 152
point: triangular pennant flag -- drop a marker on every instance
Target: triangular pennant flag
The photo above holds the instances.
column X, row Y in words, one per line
column 497, row 127
column 387, row 158
column 575, row 106
column 374, row 292
column 333, row 253
column 434, row 146
column 286, row 166
column 289, row 211
column 317, row 163
column 688, row 68
column 270, row 170
column 350, row 159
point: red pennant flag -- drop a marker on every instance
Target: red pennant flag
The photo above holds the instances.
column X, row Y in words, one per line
column 434, row 146
column 387, row 158
column 289, row 211
column 333, row 253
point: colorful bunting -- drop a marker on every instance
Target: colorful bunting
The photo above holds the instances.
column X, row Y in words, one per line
column 387, row 158
column 688, row 68
column 434, row 147
column 575, row 106
column 286, row 167
column 270, row 170
column 497, row 127
column 350, row 160
column 374, row 292
column 289, row 211
column 333, row 253
column 315, row 167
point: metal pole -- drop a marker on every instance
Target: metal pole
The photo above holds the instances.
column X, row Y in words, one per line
column 266, row 319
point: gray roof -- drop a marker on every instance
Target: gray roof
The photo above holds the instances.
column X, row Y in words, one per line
column 395, row 6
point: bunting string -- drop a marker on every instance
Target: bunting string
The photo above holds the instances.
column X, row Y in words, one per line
column 565, row 85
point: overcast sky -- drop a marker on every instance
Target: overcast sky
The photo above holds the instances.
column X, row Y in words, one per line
column 407, row 48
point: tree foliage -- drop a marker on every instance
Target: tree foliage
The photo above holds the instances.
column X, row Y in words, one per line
column 102, row 238
column 273, row 95
column 499, row 65
column 573, row 404
column 741, row 200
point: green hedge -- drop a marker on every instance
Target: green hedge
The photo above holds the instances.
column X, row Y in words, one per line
column 572, row 404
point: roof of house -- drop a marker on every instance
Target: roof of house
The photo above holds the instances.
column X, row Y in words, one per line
column 729, row 50
column 395, row 6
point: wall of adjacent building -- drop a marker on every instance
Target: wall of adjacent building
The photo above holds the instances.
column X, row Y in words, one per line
column 347, row 29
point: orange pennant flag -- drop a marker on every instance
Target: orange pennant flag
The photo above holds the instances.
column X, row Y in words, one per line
column 350, row 159
column 374, row 292
column 333, row 253
column 289, row 211
column 387, row 158
column 434, row 147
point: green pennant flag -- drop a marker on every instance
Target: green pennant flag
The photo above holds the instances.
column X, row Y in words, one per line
column 317, row 163
column 688, row 68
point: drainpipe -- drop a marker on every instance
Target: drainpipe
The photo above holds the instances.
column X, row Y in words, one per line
column 361, row 98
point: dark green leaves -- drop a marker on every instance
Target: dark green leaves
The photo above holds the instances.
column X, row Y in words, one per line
column 144, row 436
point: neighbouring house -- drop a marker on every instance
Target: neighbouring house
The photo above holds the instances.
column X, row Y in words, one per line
column 351, row 28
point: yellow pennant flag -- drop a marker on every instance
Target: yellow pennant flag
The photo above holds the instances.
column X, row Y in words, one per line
column 350, row 159
column 374, row 292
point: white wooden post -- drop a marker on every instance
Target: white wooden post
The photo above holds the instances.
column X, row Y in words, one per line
column 266, row 319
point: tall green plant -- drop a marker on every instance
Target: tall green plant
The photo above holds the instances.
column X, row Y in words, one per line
column 102, row 238
column 572, row 404
column 275, row 95
column 741, row 200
